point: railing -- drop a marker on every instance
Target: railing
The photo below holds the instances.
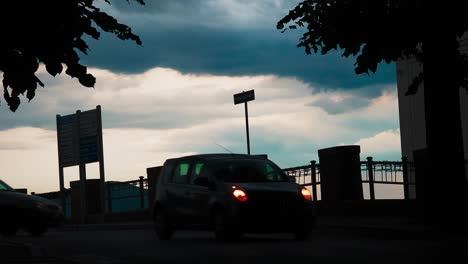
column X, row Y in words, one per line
column 127, row 196
column 303, row 174
column 372, row 172
column 134, row 195
column 385, row 172
column 308, row 175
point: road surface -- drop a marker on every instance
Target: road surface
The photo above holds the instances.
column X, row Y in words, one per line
column 327, row 245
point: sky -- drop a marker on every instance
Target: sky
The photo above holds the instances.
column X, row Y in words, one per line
column 173, row 96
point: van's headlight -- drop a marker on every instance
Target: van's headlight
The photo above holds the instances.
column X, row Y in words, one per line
column 306, row 194
column 239, row 194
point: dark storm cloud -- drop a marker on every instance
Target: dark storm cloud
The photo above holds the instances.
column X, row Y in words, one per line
column 157, row 6
column 333, row 108
column 229, row 52
column 358, row 98
column 223, row 37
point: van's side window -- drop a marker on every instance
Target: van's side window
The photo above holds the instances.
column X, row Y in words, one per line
column 197, row 169
column 181, row 172
column 271, row 174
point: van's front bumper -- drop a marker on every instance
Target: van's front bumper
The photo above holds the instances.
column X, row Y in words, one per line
column 260, row 219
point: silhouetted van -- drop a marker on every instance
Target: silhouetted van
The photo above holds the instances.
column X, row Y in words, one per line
column 32, row 213
column 231, row 194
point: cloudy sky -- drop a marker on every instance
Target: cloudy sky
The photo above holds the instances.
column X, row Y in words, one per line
column 173, row 95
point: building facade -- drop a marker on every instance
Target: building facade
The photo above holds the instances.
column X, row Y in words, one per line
column 411, row 111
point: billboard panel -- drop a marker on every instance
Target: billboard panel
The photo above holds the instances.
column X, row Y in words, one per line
column 77, row 136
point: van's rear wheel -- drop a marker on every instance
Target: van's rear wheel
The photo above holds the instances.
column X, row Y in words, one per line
column 37, row 229
column 8, row 225
column 9, row 230
column 162, row 226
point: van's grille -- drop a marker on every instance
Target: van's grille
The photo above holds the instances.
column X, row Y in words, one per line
column 279, row 202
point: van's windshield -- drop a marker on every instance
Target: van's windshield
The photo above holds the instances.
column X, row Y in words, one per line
column 4, row 186
column 248, row 171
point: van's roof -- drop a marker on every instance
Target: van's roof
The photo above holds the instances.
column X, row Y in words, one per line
column 214, row 156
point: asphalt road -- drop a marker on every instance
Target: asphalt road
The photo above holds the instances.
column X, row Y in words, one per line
column 327, row 245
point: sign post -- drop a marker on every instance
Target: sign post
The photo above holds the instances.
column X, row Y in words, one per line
column 79, row 138
column 244, row 97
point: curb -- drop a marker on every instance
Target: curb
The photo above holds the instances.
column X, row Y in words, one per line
column 104, row 227
column 390, row 224
column 12, row 249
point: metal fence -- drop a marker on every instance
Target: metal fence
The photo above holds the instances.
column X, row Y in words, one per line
column 134, row 195
column 127, row 196
column 386, row 172
column 372, row 172
column 308, row 175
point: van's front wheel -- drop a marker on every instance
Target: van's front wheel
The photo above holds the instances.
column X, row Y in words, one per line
column 304, row 229
column 161, row 225
column 223, row 229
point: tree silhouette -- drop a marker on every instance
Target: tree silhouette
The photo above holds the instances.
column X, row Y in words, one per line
column 374, row 31
column 49, row 32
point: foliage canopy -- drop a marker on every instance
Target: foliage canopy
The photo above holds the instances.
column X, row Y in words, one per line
column 377, row 30
column 50, row 32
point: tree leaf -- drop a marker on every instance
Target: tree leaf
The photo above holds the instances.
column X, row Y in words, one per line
column 54, row 68
column 13, row 102
column 76, row 70
column 30, row 94
column 87, row 80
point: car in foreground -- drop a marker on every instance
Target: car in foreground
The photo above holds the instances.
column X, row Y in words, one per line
column 231, row 194
column 29, row 212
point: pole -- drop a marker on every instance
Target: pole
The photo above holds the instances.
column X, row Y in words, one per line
column 142, row 193
column 247, row 127
column 83, row 196
column 61, row 177
column 82, row 168
column 62, row 189
column 100, row 146
column 404, row 163
column 370, row 169
column 314, row 179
